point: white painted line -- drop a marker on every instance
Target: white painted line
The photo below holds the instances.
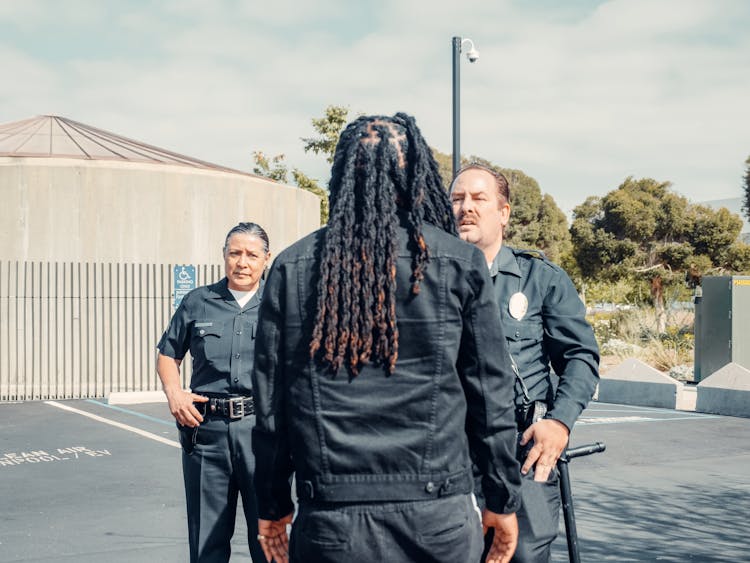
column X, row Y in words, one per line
column 586, row 421
column 132, row 429
column 612, row 419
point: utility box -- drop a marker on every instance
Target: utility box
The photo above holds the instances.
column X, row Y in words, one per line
column 722, row 324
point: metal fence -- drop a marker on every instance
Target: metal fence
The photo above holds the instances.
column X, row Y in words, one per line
column 77, row 330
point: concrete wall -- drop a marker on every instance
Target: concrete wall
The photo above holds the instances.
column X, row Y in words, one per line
column 727, row 392
column 636, row 383
column 58, row 209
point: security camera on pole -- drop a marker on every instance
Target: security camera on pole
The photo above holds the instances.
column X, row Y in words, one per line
column 473, row 55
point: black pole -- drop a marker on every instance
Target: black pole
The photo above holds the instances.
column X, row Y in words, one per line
column 456, row 105
column 566, row 495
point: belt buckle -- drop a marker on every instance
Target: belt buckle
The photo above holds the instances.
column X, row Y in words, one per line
column 236, row 407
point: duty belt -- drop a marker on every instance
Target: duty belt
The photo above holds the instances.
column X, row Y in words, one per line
column 232, row 408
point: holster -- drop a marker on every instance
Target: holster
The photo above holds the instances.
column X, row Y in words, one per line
column 526, row 415
column 529, row 413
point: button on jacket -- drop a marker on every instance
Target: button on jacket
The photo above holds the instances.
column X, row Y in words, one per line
column 219, row 335
column 378, row 437
column 552, row 330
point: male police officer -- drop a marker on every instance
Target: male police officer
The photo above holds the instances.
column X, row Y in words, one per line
column 544, row 323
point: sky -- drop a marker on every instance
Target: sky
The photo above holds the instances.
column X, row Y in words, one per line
column 579, row 94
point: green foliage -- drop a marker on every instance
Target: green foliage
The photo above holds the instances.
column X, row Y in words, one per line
column 643, row 229
column 714, row 231
column 273, row 168
column 738, row 258
column 445, row 166
column 621, row 292
column 644, row 232
column 632, row 333
column 746, row 189
column 329, row 129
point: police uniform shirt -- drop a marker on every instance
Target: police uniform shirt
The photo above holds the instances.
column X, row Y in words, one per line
column 546, row 325
column 220, row 336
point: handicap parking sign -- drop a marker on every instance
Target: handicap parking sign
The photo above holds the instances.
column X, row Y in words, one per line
column 184, row 282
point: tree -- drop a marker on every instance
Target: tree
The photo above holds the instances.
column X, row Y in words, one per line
column 272, row 168
column 329, row 129
column 643, row 230
column 445, row 166
column 746, row 199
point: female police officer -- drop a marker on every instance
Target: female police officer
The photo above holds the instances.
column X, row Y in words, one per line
column 217, row 324
column 375, row 333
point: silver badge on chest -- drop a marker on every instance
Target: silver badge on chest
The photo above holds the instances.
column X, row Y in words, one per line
column 518, row 305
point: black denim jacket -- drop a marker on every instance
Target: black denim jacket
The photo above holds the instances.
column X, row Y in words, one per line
column 376, row 437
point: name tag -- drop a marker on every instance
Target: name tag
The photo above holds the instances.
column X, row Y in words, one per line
column 198, row 325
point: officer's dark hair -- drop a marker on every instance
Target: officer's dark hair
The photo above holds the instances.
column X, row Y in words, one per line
column 247, row 228
column 381, row 165
column 500, row 180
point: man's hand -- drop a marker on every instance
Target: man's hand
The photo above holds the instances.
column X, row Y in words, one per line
column 506, row 535
column 273, row 538
column 550, row 438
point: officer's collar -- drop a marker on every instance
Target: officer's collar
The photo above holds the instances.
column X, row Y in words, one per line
column 505, row 262
column 220, row 290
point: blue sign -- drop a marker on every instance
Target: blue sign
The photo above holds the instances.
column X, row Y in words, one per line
column 184, row 282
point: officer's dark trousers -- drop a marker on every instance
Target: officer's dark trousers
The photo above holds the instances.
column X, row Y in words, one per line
column 445, row 530
column 538, row 520
column 217, row 464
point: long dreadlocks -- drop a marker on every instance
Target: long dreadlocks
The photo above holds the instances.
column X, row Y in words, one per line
column 381, row 164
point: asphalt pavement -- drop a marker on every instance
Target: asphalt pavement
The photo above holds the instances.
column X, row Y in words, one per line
column 89, row 482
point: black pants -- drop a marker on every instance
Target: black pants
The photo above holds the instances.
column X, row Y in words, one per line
column 538, row 519
column 217, row 465
column 445, row 530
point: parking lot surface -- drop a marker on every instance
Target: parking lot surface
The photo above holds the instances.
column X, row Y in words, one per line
column 89, row 482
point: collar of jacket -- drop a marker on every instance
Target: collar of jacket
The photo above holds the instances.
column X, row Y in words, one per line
column 505, row 262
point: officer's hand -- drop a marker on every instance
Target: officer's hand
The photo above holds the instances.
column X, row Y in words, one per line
column 273, row 538
column 550, row 438
column 182, row 408
column 506, row 535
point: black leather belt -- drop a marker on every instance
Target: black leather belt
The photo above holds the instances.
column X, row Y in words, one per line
column 232, row 408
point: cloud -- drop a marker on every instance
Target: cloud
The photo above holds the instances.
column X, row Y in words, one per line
column 578, row 96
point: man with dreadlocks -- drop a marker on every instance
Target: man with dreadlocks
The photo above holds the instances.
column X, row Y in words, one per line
column 380, row 364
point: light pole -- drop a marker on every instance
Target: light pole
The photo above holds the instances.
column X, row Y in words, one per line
column 473, row 55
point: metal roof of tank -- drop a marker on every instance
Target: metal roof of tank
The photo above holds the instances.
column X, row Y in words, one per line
column 52, row 136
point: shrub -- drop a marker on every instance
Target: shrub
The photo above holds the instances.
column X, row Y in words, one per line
column 631, row 333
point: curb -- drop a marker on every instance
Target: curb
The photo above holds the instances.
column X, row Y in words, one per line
column 136, row 397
